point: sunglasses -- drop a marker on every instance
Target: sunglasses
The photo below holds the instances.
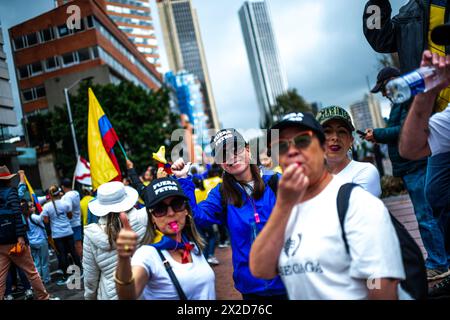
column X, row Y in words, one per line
column 300, row 141
column 160, row 209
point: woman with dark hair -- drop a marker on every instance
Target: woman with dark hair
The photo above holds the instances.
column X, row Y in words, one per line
column 243, row 202
column 172, row 266
column 58, row 213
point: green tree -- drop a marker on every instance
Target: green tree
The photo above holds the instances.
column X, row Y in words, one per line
column 286, row 103
column 141, row 119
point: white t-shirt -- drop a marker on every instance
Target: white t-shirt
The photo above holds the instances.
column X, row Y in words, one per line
column 59, row 222
column 195, row 278
column 363, row 173
column 73, row 200
column 314, row 263
column 439, row 138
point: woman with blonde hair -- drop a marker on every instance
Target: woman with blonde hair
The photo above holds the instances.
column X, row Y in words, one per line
column 99, row 251
column 56, row 211
column 172, row 266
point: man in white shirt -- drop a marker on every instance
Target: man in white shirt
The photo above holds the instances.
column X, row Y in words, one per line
column 72, row 198
column 425, row 134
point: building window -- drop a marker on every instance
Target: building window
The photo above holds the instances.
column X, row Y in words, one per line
column 63, row 30
column 51, row 63
column 36, row 68
column 95, row 52
column 28, row 94
column 81, row 27
column 83, row 54
column 23, row 72
column 47, row 34
column 68, row 58
column 90, row 22
column 32, row 39
column 19, row 43
column 33, row 93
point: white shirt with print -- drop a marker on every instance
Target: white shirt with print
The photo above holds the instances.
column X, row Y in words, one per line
column 73, row 200
column 364, row 174
column 196, row 278
column 314, row 263
column 59, row 222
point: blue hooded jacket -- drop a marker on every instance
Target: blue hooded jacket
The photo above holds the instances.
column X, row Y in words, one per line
column 239, row 222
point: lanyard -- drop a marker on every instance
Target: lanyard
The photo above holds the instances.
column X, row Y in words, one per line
column 255, row 214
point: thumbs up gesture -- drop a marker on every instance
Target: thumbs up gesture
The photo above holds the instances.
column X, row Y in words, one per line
column 126, row 242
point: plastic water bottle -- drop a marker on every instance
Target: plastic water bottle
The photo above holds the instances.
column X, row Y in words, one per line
column 421, row 80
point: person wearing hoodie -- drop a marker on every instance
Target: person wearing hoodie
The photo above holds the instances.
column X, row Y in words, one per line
column 99, row 249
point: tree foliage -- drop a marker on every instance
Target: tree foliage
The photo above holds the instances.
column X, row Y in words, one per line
column 286, row 103
column 141, row 119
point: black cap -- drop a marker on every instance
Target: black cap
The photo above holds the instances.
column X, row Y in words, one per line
column 441, row 35
column 161, row 189
column 302, row 120
column 383, row 75
column 226, row 138
column 66, row 183
column 335, row 112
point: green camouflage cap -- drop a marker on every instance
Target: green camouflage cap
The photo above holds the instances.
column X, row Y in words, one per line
column 335, row 112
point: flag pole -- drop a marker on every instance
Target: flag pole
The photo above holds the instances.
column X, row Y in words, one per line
column 123, row 150
column 73, row 180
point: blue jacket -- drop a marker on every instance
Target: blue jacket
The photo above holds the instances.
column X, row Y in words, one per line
column 238, row 221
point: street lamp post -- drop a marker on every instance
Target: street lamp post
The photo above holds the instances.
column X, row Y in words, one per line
column 69, row 112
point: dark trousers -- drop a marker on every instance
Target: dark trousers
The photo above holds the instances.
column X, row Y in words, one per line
column 65, row 246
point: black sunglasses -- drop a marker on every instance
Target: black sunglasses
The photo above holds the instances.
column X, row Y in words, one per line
column 160, row 209
column 300, row 141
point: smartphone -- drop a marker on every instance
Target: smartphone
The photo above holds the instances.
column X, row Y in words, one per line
column 363, row 134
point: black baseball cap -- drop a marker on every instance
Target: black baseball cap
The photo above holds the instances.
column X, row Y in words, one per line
column 226, row 138
column 303, row 120
column 383, row 75
column 160, row 189
column 441, row 35
column 335, row 112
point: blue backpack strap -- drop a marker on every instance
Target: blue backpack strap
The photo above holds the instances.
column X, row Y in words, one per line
column 343, row 199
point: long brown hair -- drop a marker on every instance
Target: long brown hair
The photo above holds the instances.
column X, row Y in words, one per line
column 51, row 192
column 233, row 195
column 191, row 230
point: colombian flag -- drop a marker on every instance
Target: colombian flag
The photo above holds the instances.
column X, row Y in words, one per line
column 101, row 140
column 33, row 196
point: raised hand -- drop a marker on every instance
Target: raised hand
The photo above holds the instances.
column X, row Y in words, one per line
column 292, row 186
column 126, row 242
column 180, row 169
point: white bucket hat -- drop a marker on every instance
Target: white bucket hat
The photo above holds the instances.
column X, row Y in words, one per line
column 113, row 197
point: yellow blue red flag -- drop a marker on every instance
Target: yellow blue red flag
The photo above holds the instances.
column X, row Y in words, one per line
column 101, row 140
column 33, row 195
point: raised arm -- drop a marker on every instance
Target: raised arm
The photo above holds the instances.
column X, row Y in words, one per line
column 268, row 244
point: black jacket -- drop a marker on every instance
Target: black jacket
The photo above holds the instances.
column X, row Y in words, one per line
column 10, row 206
column 405, row 33
column 390, row 136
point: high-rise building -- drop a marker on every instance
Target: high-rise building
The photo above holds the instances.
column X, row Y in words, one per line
column 184, row 48
column 190, row 102
column 7, row 114
column 269, row 78
column 366, row 113
column 8, row 153
column 134, row 18
column 51, row 55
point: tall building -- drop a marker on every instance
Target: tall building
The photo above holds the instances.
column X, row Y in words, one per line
column 51, row 55
column 184, row 48
column 8, row 153
column 134, row 18
column 269, row 78
column 190, row 102
column 366, row 113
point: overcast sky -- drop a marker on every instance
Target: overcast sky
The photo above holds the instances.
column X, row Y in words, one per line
column 321, row 43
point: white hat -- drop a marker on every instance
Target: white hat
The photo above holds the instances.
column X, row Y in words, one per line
column 113, row 197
